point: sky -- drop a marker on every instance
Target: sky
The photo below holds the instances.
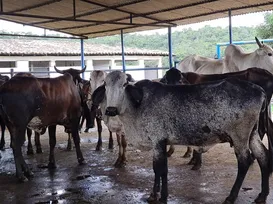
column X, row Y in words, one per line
column 253, row 19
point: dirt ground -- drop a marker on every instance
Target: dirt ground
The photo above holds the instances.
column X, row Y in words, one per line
column 99, row 182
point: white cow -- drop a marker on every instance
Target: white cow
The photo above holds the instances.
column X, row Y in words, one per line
column 237, row 60
column 201, row 65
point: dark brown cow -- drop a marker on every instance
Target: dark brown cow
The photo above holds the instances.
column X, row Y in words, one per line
column 41, row 103
column 255, row 75
column 3, row 79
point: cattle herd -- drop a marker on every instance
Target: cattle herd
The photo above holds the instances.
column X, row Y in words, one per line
column 202, row 103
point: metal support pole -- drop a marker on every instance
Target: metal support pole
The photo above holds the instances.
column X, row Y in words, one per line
column 82, row 57
column 230, row 27
column 218, row 51
column 170, row 47
column 122, row 51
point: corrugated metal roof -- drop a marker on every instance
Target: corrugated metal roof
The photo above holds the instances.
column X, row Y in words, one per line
column 30, row 47
column 92, row 18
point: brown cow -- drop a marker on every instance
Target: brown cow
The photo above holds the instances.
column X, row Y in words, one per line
column 41, row 103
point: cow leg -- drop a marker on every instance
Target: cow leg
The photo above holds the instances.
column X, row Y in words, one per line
column 81, row 123
column 261, row 154
column 29, row 144
column 122, row 144
column 52, row 144
column 118, row 161
column 160, row 166
column 99, row 144
column 171, row 150
column 3, row 127
column 69, row 143
column 188, row 152
column 111, row 142
column 196, row 160
column 244, row 161
column 38, row 143
column 22, row 169
column 76, row 139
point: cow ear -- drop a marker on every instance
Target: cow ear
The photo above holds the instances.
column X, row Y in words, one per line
column 98, row 95
column 163, row 80
column 135, row 94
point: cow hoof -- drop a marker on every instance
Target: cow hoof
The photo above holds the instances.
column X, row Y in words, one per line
column 260, row 199
column 228, row 201
column 196, row 167
column 2, row 146
column 187, row 155
column 111, row 147
column 170, row 152
column 22, row 179
column 163, row 201
column 120, row 164
column 69, row 148
column 192, row 161
column 152, row 198
column 82, row 161
column 39, row 151
column 30, row 152
column 86, row 130
column 29, row 174
column 98, row 148
column 51, row 165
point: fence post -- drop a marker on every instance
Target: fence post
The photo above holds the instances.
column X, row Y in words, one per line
column 11, row 72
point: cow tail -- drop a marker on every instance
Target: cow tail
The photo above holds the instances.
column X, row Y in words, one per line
column 269, row 127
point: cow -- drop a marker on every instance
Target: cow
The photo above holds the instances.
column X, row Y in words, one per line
column 254, row 75
column 237, row 60
column 202, row 65
column 79, row 83
column 97, row 78
column 3, row 79
column 41, row 102
column 210, row 113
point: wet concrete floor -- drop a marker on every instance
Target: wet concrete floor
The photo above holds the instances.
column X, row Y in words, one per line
column 99, row 182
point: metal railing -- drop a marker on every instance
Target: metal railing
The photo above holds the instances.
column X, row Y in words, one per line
column 12, row 72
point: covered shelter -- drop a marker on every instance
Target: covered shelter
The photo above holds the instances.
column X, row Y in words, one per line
column 88, row 18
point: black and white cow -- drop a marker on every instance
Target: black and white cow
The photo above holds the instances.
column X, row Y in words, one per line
column 258, row 76
column 211, row 113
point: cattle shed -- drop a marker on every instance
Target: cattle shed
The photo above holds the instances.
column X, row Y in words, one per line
column 98, row 181
column 89, row 18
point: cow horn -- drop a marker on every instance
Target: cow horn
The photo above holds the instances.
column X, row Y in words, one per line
column 83, row 70
column 57, row 70
column 258, row 42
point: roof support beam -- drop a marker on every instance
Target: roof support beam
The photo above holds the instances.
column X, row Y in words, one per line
column 122, row 51
column 170, row 47
column 230, row 27
column 74, row 9
column 82, row 57
column 1, row 6
column 40, row 36
column 124, row 11
column 94, row 12
column 35, row 6
column 76, row 20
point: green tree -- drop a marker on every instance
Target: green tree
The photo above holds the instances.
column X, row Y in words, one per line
column 266, row 30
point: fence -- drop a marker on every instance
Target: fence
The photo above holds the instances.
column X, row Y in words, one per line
column 11, row 73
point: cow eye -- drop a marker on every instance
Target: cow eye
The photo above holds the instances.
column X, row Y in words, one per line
column 270, row 54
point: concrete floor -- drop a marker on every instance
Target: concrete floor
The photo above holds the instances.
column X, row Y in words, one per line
column 99, row 182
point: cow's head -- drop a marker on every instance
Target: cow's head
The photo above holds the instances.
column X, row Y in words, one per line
column 112, row 93
column 97, row 78
column 174, row 76
column 264, row 50
column 73, row 72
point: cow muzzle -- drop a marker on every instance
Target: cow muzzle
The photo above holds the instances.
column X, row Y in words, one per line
column 111, row 111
